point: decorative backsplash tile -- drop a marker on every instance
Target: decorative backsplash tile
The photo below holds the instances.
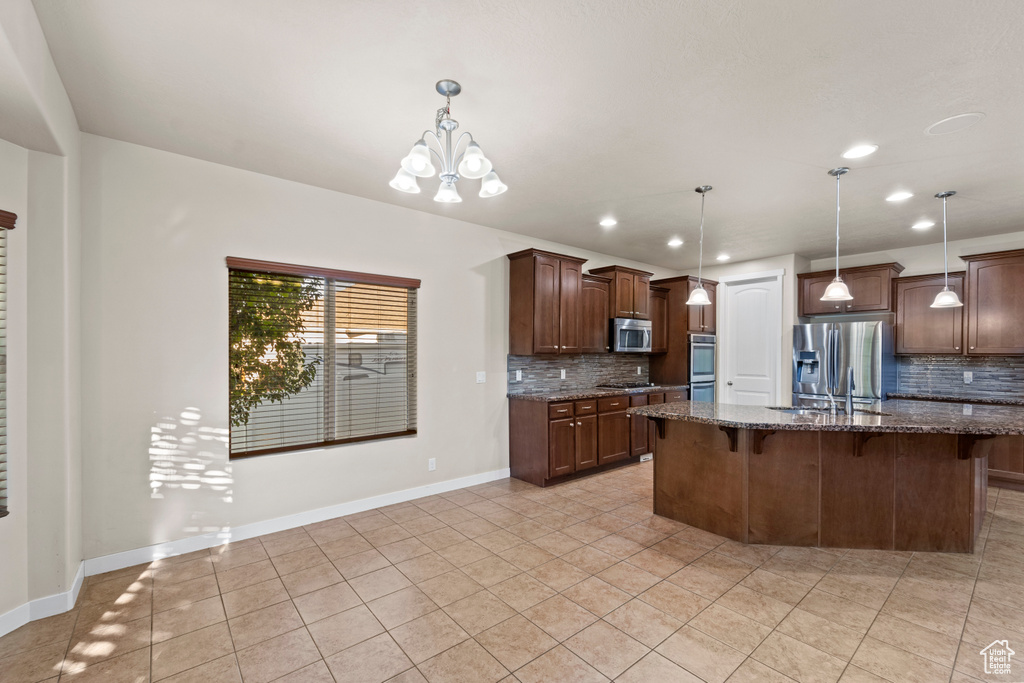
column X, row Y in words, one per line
column 543, row 373
column 993, row 376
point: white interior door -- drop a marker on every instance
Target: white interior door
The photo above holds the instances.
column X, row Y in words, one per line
column 749, row 335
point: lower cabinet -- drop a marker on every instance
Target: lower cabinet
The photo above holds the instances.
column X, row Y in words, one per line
column 1006, row 459
column 639, row 437
column 612, row 429
column 562, row 447
column 586, row 442
column 652, row 429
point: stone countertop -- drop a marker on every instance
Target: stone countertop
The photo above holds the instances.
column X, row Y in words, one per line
column 972, row 400
column 582, row 394
column 902, row 416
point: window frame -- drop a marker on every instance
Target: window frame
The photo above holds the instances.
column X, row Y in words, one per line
column 278, row 268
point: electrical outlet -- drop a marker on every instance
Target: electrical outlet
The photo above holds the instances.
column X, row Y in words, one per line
column 638, row 370
column 481, row 377
column 432, row 464
column 968, row 409
column 645, row 458
column 563, row 373
column 519, row 375
column 968, row 376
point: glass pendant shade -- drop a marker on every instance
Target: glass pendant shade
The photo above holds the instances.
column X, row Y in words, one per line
column 699, row 297
column 418, row 161
column 837, row 291
column 405, row 182
column 491, row 185
column 947, row 298
column 447, row 194
column 474, row 164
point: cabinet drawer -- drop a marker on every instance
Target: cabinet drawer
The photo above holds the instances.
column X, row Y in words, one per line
column 612, row 403
column 586, row 407
column 674, row 396
column 559, row 410
column 652, row 399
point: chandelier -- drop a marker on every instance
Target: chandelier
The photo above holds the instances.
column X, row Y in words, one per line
column 470, row 163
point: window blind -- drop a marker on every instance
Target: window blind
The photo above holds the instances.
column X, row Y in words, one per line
column 7, row 221
column 318, row 357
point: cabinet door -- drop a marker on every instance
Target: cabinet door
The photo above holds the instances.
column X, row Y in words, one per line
column 811, row 290
column 870, row 290
column 586, row 442
column 995, row 306
column 709, row 313
column 638, row 428
column 652, row 430
column 921, row 328
column 612, row 437
column 571, row 281
column 561, row 447
column 694, row 314
column 594, row 317
column 624, row 295
column 641, row 297
column 1007, row 455
column 546, row 292
column 659, row 322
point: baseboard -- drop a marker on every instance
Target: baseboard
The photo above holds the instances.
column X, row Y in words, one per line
column 130, row 558
column 41, row 608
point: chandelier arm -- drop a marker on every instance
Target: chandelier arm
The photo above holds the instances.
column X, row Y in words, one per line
column 440, row 146
column 458, row 160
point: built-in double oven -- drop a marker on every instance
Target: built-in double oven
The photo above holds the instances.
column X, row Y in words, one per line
column 702, row 367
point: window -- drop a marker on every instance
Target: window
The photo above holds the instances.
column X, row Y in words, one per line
column 7, row 220
column 318, row 357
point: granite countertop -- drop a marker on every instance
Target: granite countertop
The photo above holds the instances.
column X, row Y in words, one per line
column 973, row 400
column 901, row 416
column 594, row 392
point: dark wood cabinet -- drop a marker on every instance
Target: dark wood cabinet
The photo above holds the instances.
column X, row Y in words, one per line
column 921, row 328
column 701, row 319
column 595, row 314
column 870, row 286
column 1006, row 459
column 586, row 442
column 652, row 429
column 659, row 320
column 612, row 437
column 995, row 303
column 673, row 365
column 639, row 437
column 630, row 291
column 562, row 447
column 545, row 292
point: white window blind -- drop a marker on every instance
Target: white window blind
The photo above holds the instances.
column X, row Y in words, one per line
column 7, row 221
column 318, row 357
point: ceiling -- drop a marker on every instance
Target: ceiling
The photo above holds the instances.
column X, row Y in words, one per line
column 587, row 108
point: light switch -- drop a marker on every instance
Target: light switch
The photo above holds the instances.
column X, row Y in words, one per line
column 481, row 377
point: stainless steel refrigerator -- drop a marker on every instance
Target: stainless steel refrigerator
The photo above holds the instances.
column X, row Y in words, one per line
column 824, row 352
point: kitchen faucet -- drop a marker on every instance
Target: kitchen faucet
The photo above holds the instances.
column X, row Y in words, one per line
column 849, row 390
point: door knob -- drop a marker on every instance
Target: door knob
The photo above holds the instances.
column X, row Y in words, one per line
column 729, row 383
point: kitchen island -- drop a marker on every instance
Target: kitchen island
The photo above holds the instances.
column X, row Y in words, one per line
column 911, row 476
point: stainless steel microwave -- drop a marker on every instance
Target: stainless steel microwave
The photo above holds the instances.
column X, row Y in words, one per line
column 631, row 336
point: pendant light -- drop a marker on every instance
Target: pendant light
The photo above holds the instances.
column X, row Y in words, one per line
column 837, row 289
column 947, row 298
column 699, row 296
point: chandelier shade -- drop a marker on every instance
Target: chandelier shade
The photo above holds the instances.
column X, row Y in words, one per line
column 405, row 182
column 699, row 297
column 474, row 163
column 447, row 194
column 491, row 186
column 418, row 161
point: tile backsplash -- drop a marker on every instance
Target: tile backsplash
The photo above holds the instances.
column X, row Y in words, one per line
column 994, row 376
column 543, row 373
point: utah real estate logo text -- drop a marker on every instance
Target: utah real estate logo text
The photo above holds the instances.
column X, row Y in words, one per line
column 997, row 657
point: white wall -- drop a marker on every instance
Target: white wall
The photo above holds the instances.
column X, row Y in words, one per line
column 157, row 228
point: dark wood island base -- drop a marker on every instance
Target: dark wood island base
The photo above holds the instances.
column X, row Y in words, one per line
column 843, row 489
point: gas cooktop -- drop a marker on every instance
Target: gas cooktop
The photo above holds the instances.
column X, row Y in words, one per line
column 625, row 385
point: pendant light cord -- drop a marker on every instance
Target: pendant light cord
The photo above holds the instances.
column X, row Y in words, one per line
column 838, row 176
column 945, row 247
column 700, row 263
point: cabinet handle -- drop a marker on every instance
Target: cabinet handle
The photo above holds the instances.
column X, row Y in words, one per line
column 837, row 305
column 572, row 424
column 956, row 348
column 588, row 407
column 972, row 348
column 563, row 410
column 615, row 404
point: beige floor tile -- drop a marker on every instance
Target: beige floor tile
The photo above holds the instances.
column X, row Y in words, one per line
column 923, row 614
column 606, row 648
column 932, row 645
column 560, row 617
column 732, row 628
column 264, row 624
column 855, row 674
column 311, row 579
column 222, row 670
column 458, row 516
column 245, row 575
column 443, row 538
column 516, row 642
column 1000, row 614
column 821, row 633
column 629, row 578
column 479, row 612
column 55, row 629
column 179, row 594
column 272, row 659
column 840, row 610
column 981, row 633
column 386, row 535
column 559, row 664
column 498, row 541
column 895, row 664
column 674, row 601
column 449, row 587
column 590, row 559
column 490, row 571
column 659, row 564
column 233, row 555
column 401, row 551
column 775, row 586
column 401, row 606
column 467, row 661
column 190, row 650
column 287, row 542
column 596, row 595
column 474, row 526
column 252, row 598
column 183, row 571
column 522, row 592
column 643, row 622
column 465, row 553
column 426, row 523
column 794, row 570
column 317, row 672
column 326, row 602
column 175, row 622
column 557, row 543
column 37, row 664
column 132, row 667
column 106, row 640
column 798, row 660
column 618, row 546
column 379, row 583
column 719, row 564
column 701, row 655
column 643, row 535
column 327, row 533
column 526, row 556
column 558, row 574
column 428, row 635
column 116, row 591
column 757, row 606
column 344, row 629
column 424, row 567
column 368, row 520
column 344, row 547
column 298, row 560
column 681, row 550
column 653, row 667
column 360, row 564
column 371, row 661
column 585, row 532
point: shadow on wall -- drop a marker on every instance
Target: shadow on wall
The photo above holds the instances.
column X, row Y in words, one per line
column 189, row 469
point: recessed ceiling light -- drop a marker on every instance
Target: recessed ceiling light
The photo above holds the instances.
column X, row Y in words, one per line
column 860, row 151
column 675, row 242
column 608, row 222
column 922, row 225
column 954, row 124
column 899, row 196
column 723, row 257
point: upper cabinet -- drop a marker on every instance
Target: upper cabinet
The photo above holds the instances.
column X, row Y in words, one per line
column 595, row 314
column 659, row 319
column 545, row 291
column 871, row 287
column 921, row 328
column 701, row 319
column 630, row 291
column 671, row 365
column 995, row 303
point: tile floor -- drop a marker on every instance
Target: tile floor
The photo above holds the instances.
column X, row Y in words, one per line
column 508, row 582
